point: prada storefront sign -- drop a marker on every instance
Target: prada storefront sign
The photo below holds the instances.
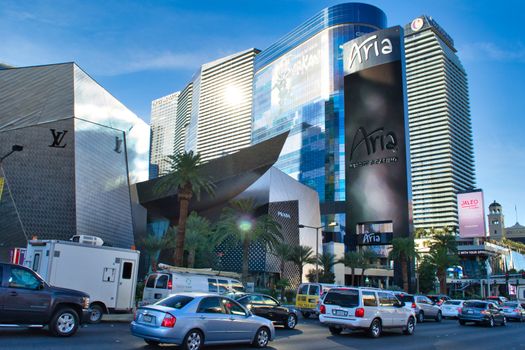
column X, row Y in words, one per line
column 376, row 138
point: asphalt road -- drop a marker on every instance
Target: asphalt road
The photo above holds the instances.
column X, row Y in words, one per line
column 309, row 334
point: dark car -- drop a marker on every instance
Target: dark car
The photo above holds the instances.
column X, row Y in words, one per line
column 26, row 300
column 481, row 312
column 267, row 307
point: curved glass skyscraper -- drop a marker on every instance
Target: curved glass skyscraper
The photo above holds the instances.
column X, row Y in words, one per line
column 298, row 86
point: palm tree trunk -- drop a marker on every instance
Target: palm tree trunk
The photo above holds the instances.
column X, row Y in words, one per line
column 404, row 274
column 191, row 258
column 442, row 276
column 245, row 259
column 153, row 262
column 301, row 267
column 184, row 204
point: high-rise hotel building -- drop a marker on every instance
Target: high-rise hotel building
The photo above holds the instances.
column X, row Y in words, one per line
column 163, row 120
column 441, row 147
column 211, row 115
column 298, row 87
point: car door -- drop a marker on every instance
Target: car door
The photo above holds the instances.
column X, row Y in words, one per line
column 26, row 300
column 496, row 312
column 214, row 319
column 399, row 316
column 274, row 309
column 255, row 304
column 426, row 306
column 386, row 309
column 241, row 328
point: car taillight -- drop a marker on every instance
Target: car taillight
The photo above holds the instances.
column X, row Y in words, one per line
column 459, row 310
column 516, row 310
column 168, row 321
column 322, row 309
column 414, row 306
column 170, row 284
column 359, row 312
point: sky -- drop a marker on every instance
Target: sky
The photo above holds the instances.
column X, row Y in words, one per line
column 141, row 50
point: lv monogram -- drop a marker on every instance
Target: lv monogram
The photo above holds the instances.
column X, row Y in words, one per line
column 58, row 137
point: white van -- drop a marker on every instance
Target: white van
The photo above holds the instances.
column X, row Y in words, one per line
column 160, row 284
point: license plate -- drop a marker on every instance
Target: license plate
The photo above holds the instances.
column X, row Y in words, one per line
column 147, row 318
column 470, row 312
column 340, row 313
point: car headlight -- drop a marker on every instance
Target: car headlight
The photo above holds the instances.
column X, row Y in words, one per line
column 85, row 302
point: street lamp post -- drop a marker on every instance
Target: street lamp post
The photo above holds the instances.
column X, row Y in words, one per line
column 317, row 228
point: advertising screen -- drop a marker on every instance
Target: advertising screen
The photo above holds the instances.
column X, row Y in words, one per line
column 471, row 214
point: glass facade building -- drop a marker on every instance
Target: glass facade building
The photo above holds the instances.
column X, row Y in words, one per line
column 298, row 87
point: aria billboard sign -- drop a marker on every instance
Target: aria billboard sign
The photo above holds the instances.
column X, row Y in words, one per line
column 376, row 139
column 471, row 214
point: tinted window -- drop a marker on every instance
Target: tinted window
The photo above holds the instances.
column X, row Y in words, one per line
column 212, row 285
column 36, row 261
column 452, row 302
column 162, row 282
column 151, row 281
column 237, row 286
column 223, row 286
column 422, row 300
column 21, row 278
column 369, row 299
column 269, row 301
column 233, row 308
column 504, row 304
column 405, row 298
column 176, row 301
column 126, row 271
column 211, row 306
column 314, row 290
column 256, row 299
column 342, row 297
column 303, row 289
column 475, row 304
column 386, row 299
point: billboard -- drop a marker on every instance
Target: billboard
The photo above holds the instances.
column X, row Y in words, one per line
column 471, row 212
column 376, row 139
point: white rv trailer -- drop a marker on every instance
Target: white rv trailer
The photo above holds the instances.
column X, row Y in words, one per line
column 107, row 274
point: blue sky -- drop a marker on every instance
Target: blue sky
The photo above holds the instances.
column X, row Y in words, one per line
column 141, row 50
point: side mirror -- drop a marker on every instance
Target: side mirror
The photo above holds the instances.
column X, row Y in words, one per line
column 41, row 286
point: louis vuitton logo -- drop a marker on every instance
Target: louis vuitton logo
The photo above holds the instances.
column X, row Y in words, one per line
column 58, row 137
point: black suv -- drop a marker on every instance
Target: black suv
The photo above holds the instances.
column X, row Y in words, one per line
column 267, row 307
column 28, row 301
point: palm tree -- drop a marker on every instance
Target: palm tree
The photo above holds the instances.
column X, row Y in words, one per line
column 326, row 261
column 186, row 178
column 198, row 233
column 403, row 250
column 152, row 245
column 351, row 260
column 443, row 254
column 365, row 258
column 302, row 256
column 239, row 224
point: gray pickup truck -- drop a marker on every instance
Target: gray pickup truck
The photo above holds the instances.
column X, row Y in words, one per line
column 28, row 301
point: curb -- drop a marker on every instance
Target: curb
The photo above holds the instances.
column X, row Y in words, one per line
column 126, row 318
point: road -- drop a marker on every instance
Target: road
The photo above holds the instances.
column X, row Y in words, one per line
column 309, row 334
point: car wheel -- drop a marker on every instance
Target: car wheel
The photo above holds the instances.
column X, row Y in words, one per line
column 411, row 326
column 335, row 330
column 64, row 322
column 262, row 337
column 291, row 322
column 305, row 314
column 420, row 317
column 96, row 314
column 151, row 342
column 193, row 340
column 461, row 322
column 374, row 331
column 491, row 322
column 439, row 317
column 504, row 321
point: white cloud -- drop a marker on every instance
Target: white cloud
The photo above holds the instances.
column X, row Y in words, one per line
column 488, row 51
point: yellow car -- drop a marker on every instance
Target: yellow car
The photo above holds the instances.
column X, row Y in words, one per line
column 308, row 295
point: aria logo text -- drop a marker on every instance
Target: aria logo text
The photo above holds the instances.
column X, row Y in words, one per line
column 377, row 140
column 370, row 46
column 372, row 237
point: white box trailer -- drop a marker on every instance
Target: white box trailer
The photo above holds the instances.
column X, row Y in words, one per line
column 107, row 274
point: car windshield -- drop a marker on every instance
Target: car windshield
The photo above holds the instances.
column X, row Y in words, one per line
column 452, row 302
column 405, row 298
column 510, row 304
column 176, row 301
column 235, row 296
column 342, row 297
column 475, row 304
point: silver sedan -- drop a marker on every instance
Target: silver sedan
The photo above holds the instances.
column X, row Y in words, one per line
column 193, row 320
column 513, row 311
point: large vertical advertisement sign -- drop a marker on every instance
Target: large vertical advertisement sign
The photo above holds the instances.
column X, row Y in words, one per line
column 376, row 139
column 471, row 214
